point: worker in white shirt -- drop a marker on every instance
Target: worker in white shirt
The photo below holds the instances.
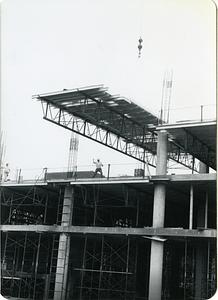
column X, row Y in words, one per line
column 99, row 166
column 6, row 172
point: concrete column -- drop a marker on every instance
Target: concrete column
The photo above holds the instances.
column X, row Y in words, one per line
column 159, row 205
column 64, row 247
column 157, row 248
column 156, row 270
column 67, row 206
column 62, row 267
column 203, row 168
column 201, row 250
column 161, row 168
column 203, row 203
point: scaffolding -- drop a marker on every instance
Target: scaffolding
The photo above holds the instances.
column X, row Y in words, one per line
column 99, row 266
column 73, row 153
column 108, row 269
column 25, row 259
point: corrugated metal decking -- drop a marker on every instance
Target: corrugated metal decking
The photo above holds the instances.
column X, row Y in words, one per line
column 73, row 101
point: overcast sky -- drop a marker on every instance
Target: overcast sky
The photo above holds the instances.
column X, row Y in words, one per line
column 49, row 45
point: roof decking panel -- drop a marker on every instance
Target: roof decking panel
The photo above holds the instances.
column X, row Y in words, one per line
column 75, row 101
column 196, row 138
column 205, row 132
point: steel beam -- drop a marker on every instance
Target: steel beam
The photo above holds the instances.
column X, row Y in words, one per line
column 150, row 231
column 117, row 180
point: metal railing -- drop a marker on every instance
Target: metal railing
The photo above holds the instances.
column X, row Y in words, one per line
column 200, row 113
column 109, row 171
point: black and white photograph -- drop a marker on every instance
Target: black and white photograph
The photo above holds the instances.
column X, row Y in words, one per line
column 108, row 149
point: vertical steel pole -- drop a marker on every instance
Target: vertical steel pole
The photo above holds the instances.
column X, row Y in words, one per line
column 45, row 210
column 127, row 265
column 13, row 269
column 45, row 174
column 137, row 213
column 193, row 164
column 83, row 267
column 36, row 266
column 95, row 212
column 191, row 207
column 101, row 267
column 108, row 171
column 208, row 268
column 10, row 209
column 22, row 264
column 206, row 211
column 185, row 269
column 19, row 175
column 135, row 269
column 202, row 113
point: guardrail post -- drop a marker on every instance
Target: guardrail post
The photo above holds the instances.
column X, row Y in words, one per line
column 202, row 113
column 18, row 180
column 45, row 174
column 108, row 171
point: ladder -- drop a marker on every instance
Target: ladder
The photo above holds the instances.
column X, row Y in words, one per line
column 53, row 265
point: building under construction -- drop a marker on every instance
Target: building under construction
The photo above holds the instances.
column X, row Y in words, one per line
column 71, row 236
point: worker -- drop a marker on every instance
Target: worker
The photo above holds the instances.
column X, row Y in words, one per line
column 13, row 216
column 6, row 172
column 99, row 166
column 39, row 219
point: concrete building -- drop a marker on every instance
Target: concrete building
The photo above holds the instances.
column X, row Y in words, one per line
column 140, row 237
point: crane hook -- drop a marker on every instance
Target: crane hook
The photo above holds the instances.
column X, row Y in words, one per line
column 140, row 46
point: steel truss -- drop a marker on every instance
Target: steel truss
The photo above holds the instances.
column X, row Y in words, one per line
column 125, row 136
column 180, row 156
column 137, row 144
column 200, row 150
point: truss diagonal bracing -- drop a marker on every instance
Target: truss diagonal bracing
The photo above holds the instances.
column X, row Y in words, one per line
column 140, row 147
column 119, row 124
